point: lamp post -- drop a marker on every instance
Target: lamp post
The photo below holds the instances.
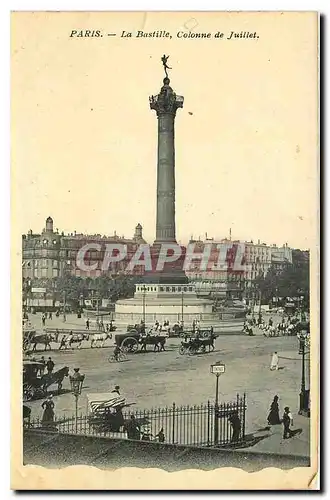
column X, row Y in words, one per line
column 76, row 381
column 182, row 308
column 144, row 289
column 260, row 295
column 253, row 301
column 217, row 369
column 304, row 394
column 64, row 306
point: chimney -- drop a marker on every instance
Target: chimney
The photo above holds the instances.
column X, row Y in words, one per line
column 49, row 225
column 138, row 232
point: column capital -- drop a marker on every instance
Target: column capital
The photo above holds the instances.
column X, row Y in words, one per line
column 166, row 102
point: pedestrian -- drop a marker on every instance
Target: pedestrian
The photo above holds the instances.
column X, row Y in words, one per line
column 50, row 365
column 50, row 315
column 274, row 361
column 287, row 421
column 270, row 322
column 63, row 342
column 117, row 419
column 43, row 319
column 236, row 426
column 161, row 436
column 274, row 413
column 48, row 414
column 117, row 390
column 42, row 368
column 146, row 434
column 132, row 427
column 87, row 324
column 69, row 339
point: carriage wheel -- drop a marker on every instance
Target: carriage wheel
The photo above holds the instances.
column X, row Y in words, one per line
column 28, row 392
column 203, row 349
column 191, row 351
column 130, row 344
column 182, row 349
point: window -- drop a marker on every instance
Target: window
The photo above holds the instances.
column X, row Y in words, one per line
column 179, row 289
column 167, row 288
column 184, row 288
column 190, row 289
column 161, row 288
column 173, row 289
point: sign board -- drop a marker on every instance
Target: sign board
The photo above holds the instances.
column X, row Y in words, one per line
column 218, row 369
column 38, row 290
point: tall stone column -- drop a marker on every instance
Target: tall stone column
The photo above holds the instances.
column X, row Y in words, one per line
column 165, row 104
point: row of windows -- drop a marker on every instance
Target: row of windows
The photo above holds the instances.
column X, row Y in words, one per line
column 165, row 289
column 42, row 263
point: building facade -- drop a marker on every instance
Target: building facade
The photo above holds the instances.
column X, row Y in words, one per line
column 51, row 254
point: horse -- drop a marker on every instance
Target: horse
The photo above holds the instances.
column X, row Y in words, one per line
column 75, row 338
column 54, row 378
column 42, row 338
column 100, row 338
column 158, row 341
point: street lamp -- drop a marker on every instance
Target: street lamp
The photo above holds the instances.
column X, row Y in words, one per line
column 217, row 369
column 303, row 337
column 182, row 308
column 64, row 306
column 76, row 381
column 144, row 289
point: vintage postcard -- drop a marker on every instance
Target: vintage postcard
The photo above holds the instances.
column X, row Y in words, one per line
column 165, row 250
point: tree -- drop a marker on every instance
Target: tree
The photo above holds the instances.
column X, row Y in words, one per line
column 291, row 281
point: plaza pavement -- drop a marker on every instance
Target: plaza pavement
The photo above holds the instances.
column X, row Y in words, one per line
column 159, row 379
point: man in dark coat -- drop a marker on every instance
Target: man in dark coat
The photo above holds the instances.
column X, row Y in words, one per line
column 50, row 365
column 287, row 422
column 133, row 429
column 236, row 426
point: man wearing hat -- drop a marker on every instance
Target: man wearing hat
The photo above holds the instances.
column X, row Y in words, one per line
column 116, row 389
column 287, row 420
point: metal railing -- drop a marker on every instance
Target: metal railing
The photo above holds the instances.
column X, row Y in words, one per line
column 183, row 425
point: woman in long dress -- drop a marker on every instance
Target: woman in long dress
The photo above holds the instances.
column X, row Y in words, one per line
column 274, row 413
column 48, row 414
column 274, row 361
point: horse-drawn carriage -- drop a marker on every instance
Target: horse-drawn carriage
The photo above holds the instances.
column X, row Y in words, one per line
column 105, row 412
column 132, row 340
column 32, row 380
column 36, row 383
column 198, row 344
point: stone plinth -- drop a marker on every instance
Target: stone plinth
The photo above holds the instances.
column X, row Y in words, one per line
column 173, row 302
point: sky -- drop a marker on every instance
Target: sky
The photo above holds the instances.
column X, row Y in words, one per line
column 84, row 141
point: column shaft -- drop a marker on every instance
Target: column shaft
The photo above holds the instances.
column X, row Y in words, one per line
column 165, row 224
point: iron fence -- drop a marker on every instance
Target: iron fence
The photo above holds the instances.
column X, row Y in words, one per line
column 184, row 425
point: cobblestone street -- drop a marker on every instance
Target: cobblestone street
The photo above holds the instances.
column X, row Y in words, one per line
column 159, row 379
